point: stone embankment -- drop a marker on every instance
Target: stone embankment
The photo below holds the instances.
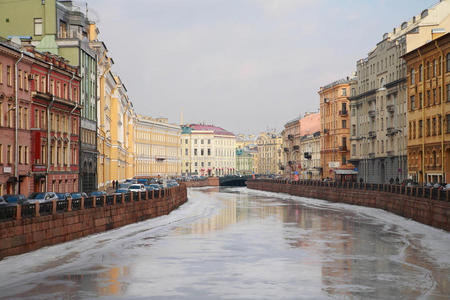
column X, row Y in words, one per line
column 425, row 205
column 208, row 181
column 34, row 226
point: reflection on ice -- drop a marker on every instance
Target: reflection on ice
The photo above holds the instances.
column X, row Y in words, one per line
column 234, row 243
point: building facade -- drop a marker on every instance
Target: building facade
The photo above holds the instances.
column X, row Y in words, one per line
column 270, row 160
column 291, row 147
column 379, row 99
column 157, row 147
column 55, row 119
column 311, row 166
column 245, row 161
column 207, row 150
column 335, row 123
column 428, row 81
column 15, row 127
column 62, row 28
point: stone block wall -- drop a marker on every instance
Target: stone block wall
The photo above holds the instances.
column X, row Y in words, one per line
column 27, row 234
column 209, row 181
column 435, row 213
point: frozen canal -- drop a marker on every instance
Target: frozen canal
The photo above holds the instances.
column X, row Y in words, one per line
column 235, row 243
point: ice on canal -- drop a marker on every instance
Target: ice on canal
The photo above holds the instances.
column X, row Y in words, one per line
column 236, row 243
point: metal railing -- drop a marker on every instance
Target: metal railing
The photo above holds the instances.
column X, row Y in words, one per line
column 62, row 206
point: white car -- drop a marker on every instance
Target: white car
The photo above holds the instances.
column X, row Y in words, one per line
column 137, row 187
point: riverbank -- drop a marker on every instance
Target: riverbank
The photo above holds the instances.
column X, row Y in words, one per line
column 414, row 203
column 28, row 232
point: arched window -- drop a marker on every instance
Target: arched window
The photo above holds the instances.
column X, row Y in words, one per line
column 448, row 62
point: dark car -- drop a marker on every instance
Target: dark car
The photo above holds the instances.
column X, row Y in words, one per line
column 121, row 191
column 41, row 197
column 97, row 194
column 142, row 181
column 15, row 199
column 63, row 196
column 76, row 196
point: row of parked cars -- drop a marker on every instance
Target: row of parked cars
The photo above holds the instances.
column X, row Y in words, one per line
column 131, row 185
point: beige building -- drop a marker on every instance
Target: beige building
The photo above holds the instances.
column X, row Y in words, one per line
column 310, row 156
column 207, row 150
column 270, row 159
column 291, row 147
column 157, row 147
column 379, row 99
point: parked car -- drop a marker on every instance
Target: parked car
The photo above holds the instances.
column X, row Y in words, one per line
column 76, row 196
column 97, row 194
column 15, row 199
column 155, row 186
column 446, row 187
column 172, row 183
column 121, row 191
column 124, row 185
column 63, row 196
column 143, row 181
column 136, row 187
column 41, row 197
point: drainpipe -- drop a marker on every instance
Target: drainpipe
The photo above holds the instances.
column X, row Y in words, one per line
column 16, row 130
column 441, row 123
column 71, row 120
column 49, row 125
column 422, row 103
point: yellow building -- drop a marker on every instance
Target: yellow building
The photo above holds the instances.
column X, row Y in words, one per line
column 429, row 111
column 269, row 158
column 157, row 147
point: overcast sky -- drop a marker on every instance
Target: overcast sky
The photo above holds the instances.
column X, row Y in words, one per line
column 244, row 65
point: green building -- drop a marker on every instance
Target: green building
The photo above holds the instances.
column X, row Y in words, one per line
column 245, row 161
column 62, row 28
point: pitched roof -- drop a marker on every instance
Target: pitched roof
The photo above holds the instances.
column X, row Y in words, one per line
column 214, row 129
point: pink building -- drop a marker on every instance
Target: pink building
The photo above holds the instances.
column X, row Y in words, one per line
column 15, row 110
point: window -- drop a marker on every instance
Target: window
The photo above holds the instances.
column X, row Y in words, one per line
column 26, row 81
column 413, row 76
column 20, row 79
column 186, row 151
column 420, row 128
column 413, row 102
column 420, row 100
column 440, row 125
column 428, row 70
column 439, row 95
column 195, row 151
column 344, row 123
column 37, row 26
column 439, row 65
column 43, row 84
column 209, row 152
column 58, row 89
column 186, row 141
column 434, row 68
column 25, row 118
column 353, row 129
column 209, row 142
column 448, row 92
column 448, row 62
column 344, row 92
column 420, row 73
column 52, row 87
column 434, row 126
column 201, row 141
column 8, row 154
column 448, row 122
column 20, row 155
column 195, row 141
column 202, row 152
column 428, row 127
column 428, row 98
column 434, row 96
column 8, row 76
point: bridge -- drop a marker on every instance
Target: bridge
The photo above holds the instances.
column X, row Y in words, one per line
column 234, row 180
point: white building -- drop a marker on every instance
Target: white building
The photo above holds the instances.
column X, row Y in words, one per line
column 207, row 150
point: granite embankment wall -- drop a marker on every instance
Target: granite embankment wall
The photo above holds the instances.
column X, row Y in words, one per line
column 209, row 181
column 427, row 206
column 64, row 221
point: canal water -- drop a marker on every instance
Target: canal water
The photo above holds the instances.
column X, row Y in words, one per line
column 236, row 243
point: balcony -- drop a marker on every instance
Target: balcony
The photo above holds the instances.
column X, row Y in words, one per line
column 371, row 155
column 372, row 113
column 343, row 148
column 372, row 134
column 296, row 147
column 391, row 131
column 290, row 137
column 343, row 113
column 390, row 108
